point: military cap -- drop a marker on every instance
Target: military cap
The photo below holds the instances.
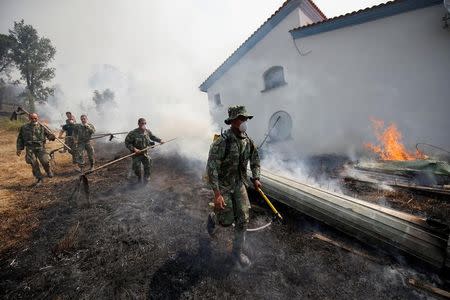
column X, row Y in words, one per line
column 236, row 111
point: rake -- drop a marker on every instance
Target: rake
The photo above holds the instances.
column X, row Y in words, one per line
column 83, row 181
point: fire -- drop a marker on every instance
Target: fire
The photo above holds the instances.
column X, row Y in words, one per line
column 390, row 143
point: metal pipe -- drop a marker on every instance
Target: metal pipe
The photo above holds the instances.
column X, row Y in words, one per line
column 369, row 223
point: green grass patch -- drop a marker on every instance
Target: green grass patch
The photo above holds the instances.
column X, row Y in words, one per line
column 7, row 124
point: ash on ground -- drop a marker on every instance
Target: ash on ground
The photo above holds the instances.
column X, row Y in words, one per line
column 132, row 242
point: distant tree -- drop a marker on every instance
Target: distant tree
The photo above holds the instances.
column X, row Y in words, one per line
column 32, row 54
column 6, row 61
column 6, row 45
column 102, row 99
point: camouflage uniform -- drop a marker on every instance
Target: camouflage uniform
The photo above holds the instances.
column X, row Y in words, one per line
column 82, row 135
column 227, row 172
column 140, row 140
column 32, row 137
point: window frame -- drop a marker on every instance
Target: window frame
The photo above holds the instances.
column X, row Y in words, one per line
column 277, row 84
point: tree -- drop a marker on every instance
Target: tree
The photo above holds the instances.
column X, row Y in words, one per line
column 6, row 45
column 6, row 61
column 101, row 99
column 32, row 54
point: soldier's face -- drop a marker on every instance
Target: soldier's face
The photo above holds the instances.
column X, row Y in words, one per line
column 83, row 120
column 142, row 124
column 236, row 123
column 33, row 118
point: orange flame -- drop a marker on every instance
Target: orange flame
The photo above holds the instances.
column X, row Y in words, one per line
column 391, row 146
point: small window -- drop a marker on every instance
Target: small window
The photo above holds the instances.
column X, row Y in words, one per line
column 280, row 126
column 217, row 101
column 273, row 77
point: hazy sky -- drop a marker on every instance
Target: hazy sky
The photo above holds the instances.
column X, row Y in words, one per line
column 163, row 50
column 149, row 38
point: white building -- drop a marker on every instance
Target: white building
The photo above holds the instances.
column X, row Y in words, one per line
column 327, row 77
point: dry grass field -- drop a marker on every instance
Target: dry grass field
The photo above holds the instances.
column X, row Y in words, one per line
column 19, row 207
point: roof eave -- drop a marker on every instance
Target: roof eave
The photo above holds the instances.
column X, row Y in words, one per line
column 369, row 14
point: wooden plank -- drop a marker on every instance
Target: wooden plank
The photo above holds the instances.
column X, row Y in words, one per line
column 429, row 288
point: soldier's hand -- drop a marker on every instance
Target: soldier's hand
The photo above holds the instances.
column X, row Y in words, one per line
column 19, row 152
column 162, row 142
column 136, row 150
column 219, row 202
column 257, row 184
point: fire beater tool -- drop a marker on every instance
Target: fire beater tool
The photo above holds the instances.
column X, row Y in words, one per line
column 275, row 211
column 111, row 135
column 83, row 180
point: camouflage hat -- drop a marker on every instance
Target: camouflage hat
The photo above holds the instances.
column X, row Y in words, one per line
column 236, row 111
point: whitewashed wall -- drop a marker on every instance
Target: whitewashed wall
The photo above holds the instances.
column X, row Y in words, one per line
column 396, row 69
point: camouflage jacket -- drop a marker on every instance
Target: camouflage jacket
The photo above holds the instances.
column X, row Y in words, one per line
column 137, row 139
column 33, row 136
column 228, row 159
column 82, row 133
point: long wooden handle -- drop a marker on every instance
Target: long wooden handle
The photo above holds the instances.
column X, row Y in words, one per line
column 114, row 161
column 123, row 157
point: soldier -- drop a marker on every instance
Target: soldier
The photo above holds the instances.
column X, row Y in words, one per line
column 32, row 137
column 69, row 117
column 68, row 139
column 82, row 137
column 136, row 140
column 227, row 176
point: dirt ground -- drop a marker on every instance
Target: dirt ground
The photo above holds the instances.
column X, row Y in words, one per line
column 150, row 242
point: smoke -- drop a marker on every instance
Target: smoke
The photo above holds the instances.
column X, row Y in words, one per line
column 318, row 171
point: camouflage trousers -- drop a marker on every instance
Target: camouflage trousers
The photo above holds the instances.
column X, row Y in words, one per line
column 35, row 155
column 80, row 148
column 236, row 211
column 68, row 140
column 146, row 162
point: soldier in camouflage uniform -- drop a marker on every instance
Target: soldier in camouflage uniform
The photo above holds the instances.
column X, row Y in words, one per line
column 32, row 137
column 82, row 137
column 227, row 176
column 68, row 129
column 136, row 140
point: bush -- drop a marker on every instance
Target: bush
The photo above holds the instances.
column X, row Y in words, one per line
column 7, row 124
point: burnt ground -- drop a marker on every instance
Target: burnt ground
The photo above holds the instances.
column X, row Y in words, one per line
column 134, row 242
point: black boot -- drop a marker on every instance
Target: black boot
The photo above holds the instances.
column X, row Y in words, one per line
column 238, row 245
column 211, row 224
column 38, row 182
column 91, row 165
column 49, row 171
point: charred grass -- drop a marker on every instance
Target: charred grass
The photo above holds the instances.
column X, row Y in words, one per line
column 149, row 242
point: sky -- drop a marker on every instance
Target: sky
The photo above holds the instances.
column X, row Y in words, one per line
column 157, row 52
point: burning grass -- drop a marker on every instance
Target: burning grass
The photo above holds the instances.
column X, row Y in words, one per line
column 390, row 145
